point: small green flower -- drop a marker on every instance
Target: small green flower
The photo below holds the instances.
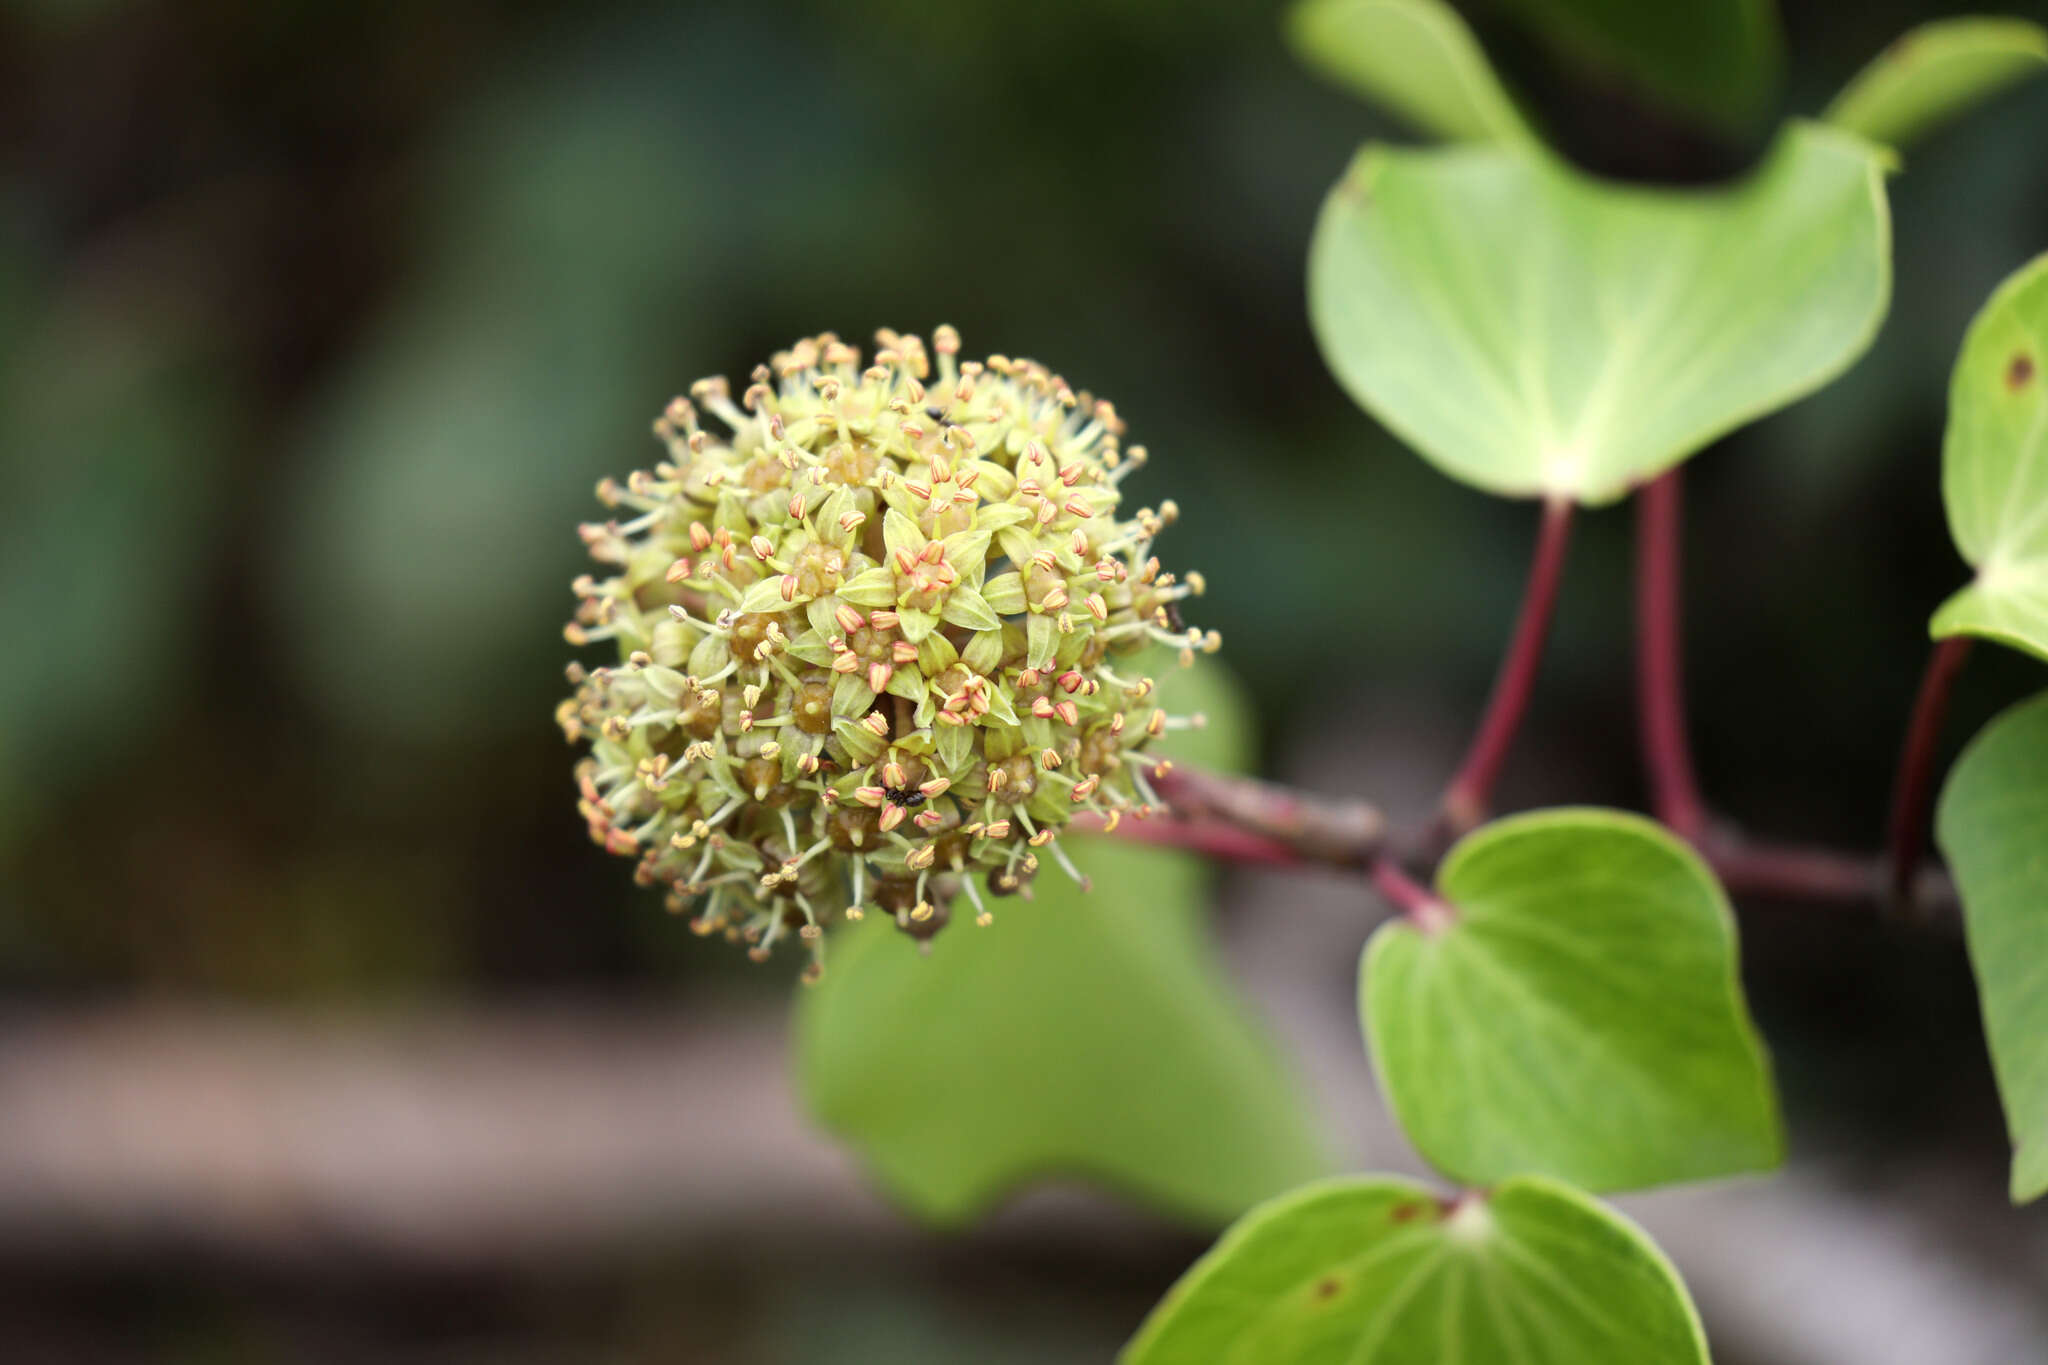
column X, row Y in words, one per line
column 870, row 640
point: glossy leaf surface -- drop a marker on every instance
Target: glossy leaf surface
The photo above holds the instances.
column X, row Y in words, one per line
column 1532, row 331
column 1938, row 72
column 1993, row 825
column 1379, row 1271
column 1581, row 1015
column 1994, row 463
column 1415, row 57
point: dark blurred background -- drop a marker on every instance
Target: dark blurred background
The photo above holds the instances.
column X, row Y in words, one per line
column 318, row 321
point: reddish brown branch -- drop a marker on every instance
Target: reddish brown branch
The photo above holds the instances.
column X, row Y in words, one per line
column 1915, row 785
column 1417, row 903
column 1660, row 667
column 1212, row 838
column 1466, row 799
column 1318, row 829
column 1237, row 819
column 1243, row 820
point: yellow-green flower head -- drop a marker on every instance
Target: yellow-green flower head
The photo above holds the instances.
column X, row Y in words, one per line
column 877, row 640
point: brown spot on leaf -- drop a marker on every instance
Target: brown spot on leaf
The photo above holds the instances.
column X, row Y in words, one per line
column 2019, row 371
column 1408, row 1213
column 1327, row 1287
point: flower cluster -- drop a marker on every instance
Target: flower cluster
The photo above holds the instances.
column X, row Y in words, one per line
column 876, row 640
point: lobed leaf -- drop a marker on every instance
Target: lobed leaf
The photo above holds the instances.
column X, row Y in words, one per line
column 1993, row 825
column 1379, row 1271
column 1994, row 468
column 1581, row 1016
column 1532, row 331
column 1935, row 73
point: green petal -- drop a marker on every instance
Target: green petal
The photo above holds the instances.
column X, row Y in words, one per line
column 1042, row 637
column 953, row 744
column 862, row 743
column 936, row 654
column 1000, row 515
column 1005, row 593
column 851, row 696
column 900, row 533
column 765, row 595
column 968, row 548
column 965, row 607
column 1018, row 543
column 984, row 651
column 874, row 587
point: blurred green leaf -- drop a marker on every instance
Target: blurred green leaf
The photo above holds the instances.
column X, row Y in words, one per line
column 1718, row 60
column 1993, row 825
column 1079, row 1034
column 428, row 549
column 113, row 423
column 432, row 543
column 1416, row 57
column 1581, row 1016
column 1532, row 331
column 1994, row 467
column 1379, row 1271
column 1935, row 73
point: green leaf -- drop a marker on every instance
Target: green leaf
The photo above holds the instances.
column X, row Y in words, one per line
column 116, row 428
column 1416, row 57
column 1379, row 1271
column 1718, row 60
column 1533, row 331
column 1994, row 467
column 1935, row 73
column 1993, row 825
column 1079, row 1034
column 1579, row 1016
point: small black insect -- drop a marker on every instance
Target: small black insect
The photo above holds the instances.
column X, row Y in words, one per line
column 910, row 798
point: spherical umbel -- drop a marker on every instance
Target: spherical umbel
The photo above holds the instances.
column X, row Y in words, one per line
column 877, row 640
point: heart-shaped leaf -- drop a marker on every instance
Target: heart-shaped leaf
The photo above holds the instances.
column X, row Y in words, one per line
column 1935, row 73
column 1532, row 331
column 1578, row 1013
column 1088, row 1034
column 1379, row 1271
column 1416, row 57
column 1993, row 825
column 1994, row 467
